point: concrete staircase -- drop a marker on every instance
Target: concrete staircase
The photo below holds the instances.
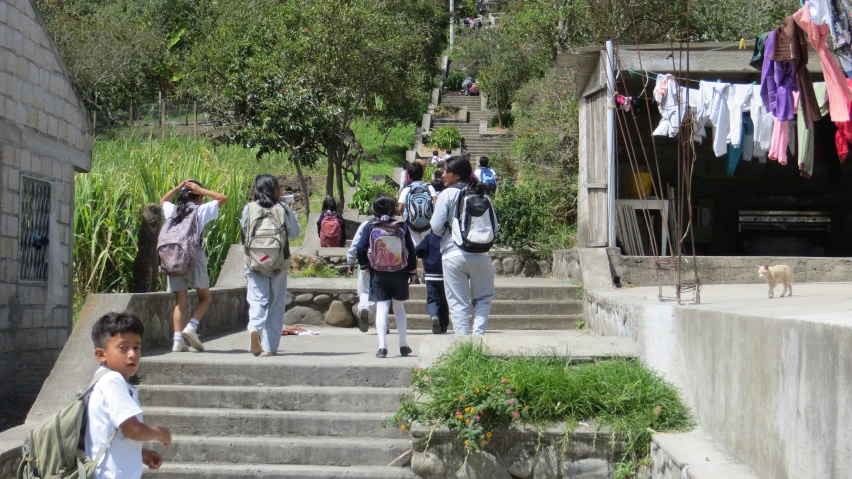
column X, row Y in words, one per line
column 313, row 413
column 474, row 143
column 520, row 303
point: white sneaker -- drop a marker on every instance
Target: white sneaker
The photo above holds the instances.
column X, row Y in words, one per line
column 191, row 335
column 255, row 347
column 180, row 347
column 270, row 353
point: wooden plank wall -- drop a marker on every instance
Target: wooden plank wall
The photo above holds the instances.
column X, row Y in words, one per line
column 592, row 213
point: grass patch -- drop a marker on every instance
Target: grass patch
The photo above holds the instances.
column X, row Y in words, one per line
column 474, row 393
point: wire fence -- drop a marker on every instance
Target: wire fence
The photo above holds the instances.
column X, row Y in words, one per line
column 186, row 116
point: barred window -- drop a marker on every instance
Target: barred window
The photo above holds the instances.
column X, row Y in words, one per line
column 35, row 220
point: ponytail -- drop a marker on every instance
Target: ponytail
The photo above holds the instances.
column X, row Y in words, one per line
column 182, row 209
column 461, row 167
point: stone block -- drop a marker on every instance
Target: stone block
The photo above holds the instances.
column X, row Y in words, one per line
column 483, row 465
column 11, row 271
column 13, row 18
column 530, row 268
column 32, row 117
column 21, row 113
column 12, row 180
column 304, row 298
column 52, row 126
column 586, row 469
column 26, row 160
column 42, row 121
column 322, row 299
column 338, row 315
column 15, row 41
column 303, row 315
column 428, row 466
column 508, row 265
column 42, row 341
column 3, row 12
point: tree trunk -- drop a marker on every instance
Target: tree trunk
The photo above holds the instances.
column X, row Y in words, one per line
column 145, row 277
column 329, row 177
column 306, row 195
column 340, row 197
column 499, row 117
column 385, row 139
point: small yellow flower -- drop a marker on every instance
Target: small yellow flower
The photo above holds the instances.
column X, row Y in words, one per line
column 467, row 421
column 477, row 390
column 436, row 362
column 402, row 427
column 488, row 434
column 459, row 417
column 467, row 443
column 484, row 442
column 487, row 388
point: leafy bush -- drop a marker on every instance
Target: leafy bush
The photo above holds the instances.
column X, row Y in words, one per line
column 366, row 191
column 508, row 120
column 447, row 110
column 533, row 216
column 475, row 394
column 319, row 271
column 454, row 80
column 445, row 138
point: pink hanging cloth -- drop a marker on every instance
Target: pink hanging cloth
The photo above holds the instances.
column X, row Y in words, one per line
column 839, row 94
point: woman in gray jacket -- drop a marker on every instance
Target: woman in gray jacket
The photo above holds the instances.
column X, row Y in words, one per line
column 468, row 277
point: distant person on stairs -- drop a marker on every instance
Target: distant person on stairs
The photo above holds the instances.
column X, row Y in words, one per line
column 436, row 157
column 330, row 226
column 487, row 176
column 468, row 274
column 268, row 225
column 466, row 85
column 448, row 155
column 385, row 248
column 192, row 214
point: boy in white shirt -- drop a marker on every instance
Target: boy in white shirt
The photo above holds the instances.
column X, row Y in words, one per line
column 114, row 407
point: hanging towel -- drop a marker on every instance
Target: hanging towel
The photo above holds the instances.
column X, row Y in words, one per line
column 762, row 120
column 791, row 46
column 780, row 139
column 746, row 148
column 841, row 30
column 806, row 135
column 758, row 54
column 839, row 93
column 672, row 103
column 713, row 107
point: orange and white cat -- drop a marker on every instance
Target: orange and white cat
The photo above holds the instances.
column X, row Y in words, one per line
column 777, row 274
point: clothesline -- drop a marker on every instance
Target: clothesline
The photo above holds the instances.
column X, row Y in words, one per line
column 645, row 74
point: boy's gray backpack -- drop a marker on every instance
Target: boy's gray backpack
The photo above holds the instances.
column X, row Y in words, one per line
column 179, row 245
column 56, row 448
column 267, row 243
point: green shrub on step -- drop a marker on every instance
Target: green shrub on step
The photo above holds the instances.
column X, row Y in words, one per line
column 454, row 80
column 445, row 138
column 366, row 191
column 508, row 120
column 474, row 394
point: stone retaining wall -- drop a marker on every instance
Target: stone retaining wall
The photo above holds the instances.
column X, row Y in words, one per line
column 566, row 265
column 513, row 263
column 517, row 452
column 312, row 306
column 9, row 460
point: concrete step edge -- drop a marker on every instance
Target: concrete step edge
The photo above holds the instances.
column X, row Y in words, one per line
column 301, row 389
column 188, row 469
column 208, row 412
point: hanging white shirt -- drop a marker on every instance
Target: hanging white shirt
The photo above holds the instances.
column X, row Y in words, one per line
column 762, row 120
column 713, row 106
column 672, row 103
column 739, row 100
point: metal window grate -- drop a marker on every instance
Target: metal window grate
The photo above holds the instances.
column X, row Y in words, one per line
column 35, row 221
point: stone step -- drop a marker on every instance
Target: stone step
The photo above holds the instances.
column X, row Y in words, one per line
column 264, row 422
column 322, row 451
column 519, row 290
column 511, row 307
column 503, row 322
column 187, row 470
column 284, row 371
column 277, row 398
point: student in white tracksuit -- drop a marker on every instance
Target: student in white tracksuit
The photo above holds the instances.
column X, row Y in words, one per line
column 365, row 306
column 468, row 277
column 267, row 294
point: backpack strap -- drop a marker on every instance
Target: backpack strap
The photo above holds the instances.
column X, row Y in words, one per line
column 81, row 469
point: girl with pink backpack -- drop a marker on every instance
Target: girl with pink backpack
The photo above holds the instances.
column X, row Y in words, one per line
column 386, row 250
column 182, row 233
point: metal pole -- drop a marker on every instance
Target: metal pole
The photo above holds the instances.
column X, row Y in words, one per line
column 452, row 23
column 610, row 137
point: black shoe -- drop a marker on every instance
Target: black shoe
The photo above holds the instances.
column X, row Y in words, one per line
column 387, row 331
column 364, row 320
column 443, row 330
column 436, row 325
column 382, row 353
column 404, row 351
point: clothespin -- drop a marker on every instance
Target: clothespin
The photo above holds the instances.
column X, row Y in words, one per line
column 742, row 44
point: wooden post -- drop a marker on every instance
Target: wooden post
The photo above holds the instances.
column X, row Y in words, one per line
column 195, row 117
column 145, row 269
column 95, row 116
column 162, row 115
column 130, row 120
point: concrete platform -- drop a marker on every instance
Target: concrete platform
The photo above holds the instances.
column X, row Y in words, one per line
column 768, row 379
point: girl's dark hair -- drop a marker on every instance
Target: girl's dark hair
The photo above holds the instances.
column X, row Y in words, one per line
column 112, row 324
column 438, row 180
column 383, row 205
column 329, row 204
column 461, row 167
column 185, row 196
column 264, row 190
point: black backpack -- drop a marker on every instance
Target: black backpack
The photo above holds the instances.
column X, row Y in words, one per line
column 474, row 226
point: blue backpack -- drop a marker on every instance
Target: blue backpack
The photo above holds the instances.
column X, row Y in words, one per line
column 488, row 178
column 418, row 207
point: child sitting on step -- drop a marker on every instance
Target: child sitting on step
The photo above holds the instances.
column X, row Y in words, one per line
column 386, row 250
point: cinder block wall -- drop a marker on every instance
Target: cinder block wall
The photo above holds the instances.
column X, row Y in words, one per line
column 44, row 135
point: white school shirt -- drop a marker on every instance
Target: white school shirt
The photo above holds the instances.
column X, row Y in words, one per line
column 206, row 213
column 112, row 402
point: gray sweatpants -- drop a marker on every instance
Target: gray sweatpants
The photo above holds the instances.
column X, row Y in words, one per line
column 469, row 279
column 267, row 300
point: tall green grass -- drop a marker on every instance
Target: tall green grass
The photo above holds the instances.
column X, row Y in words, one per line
column 132, row 171
column 128, row 174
